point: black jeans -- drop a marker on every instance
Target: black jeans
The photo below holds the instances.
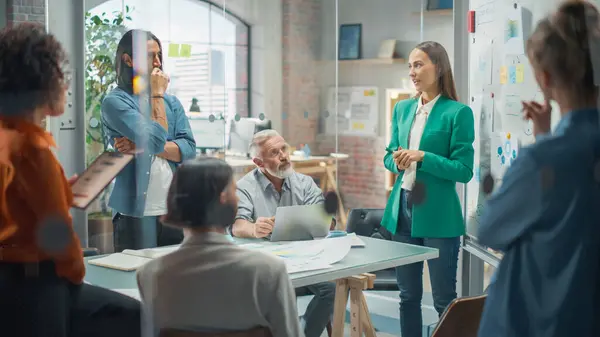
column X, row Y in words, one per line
column 146, row 232
column 442, row 273
column 35, row 302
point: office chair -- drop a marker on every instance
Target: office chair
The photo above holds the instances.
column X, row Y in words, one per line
column 461, row 318
column 367, row 222
column 256, row 332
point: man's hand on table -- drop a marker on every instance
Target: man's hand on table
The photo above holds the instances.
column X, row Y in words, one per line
column 263, row 227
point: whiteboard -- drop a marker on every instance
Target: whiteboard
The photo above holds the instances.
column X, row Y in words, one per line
column 500, row 77
column 357, row 111
column 209, row 134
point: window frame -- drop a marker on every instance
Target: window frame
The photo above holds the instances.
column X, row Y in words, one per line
column 248, row 45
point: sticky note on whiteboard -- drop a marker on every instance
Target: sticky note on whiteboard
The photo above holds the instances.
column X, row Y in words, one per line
column 358, row 126
column 520, row 73
column 503, row 75
column 173, row 50
column 512, row 74
column 186, row 50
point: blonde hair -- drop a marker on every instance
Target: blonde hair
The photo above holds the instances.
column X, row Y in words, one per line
column 562, row 45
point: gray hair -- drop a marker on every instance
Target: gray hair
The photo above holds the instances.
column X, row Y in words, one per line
column 258, row 139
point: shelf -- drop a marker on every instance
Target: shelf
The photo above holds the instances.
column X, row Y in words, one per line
column 436, row 12
column 374, row 61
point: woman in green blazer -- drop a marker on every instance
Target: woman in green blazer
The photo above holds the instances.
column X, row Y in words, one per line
column 431, row 149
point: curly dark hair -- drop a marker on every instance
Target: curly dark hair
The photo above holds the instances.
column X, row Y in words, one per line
column 32, row 69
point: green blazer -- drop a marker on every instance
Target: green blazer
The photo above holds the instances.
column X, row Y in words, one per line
column 448, row 145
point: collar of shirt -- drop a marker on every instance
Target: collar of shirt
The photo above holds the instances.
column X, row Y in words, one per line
column 206, row 238
column 577, row 117
column 265, row 182
column 427, row 107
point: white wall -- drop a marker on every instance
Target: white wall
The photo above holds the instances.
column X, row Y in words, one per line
column 381, row 20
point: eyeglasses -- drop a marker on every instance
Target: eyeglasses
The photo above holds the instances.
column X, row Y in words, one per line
column 280, row 151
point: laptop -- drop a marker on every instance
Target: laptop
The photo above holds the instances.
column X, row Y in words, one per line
column 305, row 222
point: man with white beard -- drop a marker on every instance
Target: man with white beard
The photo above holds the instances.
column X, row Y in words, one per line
column 274, row 183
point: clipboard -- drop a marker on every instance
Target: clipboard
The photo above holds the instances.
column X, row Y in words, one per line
column 97, row 176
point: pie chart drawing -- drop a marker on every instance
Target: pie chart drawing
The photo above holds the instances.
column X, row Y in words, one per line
column 507, row 153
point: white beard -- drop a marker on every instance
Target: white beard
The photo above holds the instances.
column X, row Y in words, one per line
column 282, row 174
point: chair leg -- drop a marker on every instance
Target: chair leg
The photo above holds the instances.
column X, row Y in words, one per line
column 329, row 329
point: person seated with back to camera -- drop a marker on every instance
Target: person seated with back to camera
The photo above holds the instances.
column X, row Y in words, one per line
column 209, row 282
column 274, row 183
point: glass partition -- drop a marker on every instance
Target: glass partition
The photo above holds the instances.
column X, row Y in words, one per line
column 236, row 67
column 325, row 74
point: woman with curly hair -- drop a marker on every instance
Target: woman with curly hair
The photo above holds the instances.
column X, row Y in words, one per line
column 41, row 261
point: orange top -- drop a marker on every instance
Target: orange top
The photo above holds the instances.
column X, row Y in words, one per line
column 35, row 198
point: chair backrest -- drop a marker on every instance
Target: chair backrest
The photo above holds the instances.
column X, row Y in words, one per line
column 256, row 332
column 461, row 318
column 364, row 221
column 90, row 252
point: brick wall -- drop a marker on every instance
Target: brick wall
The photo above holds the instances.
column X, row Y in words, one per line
column 361, row 178
column 18, row 11
column 25, row 11
column 300, row 42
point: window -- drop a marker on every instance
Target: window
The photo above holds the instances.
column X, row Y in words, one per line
column 205, row 51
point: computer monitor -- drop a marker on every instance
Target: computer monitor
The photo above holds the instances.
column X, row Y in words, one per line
column 242, row 131
column 209, row 135
column 240, row 136
column 261, row 125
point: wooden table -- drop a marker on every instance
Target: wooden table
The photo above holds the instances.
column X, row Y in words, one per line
column 322, row 167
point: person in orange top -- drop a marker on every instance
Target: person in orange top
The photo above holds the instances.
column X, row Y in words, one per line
column 41, row 261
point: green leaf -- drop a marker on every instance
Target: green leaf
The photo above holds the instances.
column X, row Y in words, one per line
column 96, row 20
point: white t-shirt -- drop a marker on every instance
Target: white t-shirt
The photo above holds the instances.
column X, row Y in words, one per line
column 416, row 132
column 158, row 187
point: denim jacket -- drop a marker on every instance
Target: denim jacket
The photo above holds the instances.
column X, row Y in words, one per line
column 121, row 117
column 545, row 218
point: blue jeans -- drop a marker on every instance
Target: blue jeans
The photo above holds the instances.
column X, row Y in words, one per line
column 442, row 273
column 320, row 309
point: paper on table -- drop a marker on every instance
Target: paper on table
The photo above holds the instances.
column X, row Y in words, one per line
column 120, row 261
column 301, row 256
column 134, row 293
column 335, row 250
column 317, row 253
column 299, row 266
column 355, row 240
column 151, row 253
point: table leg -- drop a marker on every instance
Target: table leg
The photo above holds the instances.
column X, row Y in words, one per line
column 323, row 181
column 339, row 307
column 360, row 320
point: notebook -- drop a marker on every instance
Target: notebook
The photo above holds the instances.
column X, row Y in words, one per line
column 130, row 260
column 151, row 253
column 120, row 261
